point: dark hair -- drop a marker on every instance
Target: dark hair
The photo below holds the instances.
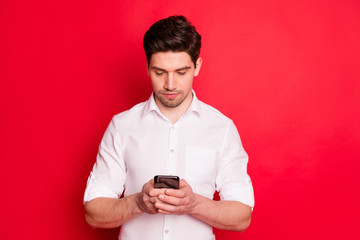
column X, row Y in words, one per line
column 174, row 33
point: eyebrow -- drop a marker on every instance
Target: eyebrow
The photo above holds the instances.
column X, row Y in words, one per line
column 176, row 70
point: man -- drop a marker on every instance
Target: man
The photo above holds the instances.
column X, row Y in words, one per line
column 172, row 133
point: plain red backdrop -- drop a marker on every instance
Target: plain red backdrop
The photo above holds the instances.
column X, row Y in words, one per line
column 286, row 72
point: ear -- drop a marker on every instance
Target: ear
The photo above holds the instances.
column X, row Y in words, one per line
column 198, row 66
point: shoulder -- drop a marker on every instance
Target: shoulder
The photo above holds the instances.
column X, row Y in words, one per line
column 213, row 114
column 130, row 115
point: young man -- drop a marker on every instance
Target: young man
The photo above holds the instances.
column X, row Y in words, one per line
column 173, row 133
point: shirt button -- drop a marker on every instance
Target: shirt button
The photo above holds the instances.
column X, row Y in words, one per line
column 173, row 128
column 167, row 231
column 172, row 150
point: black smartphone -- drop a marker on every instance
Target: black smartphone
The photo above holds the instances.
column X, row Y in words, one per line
column 166, row 181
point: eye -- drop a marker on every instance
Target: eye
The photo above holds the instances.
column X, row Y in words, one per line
column 159, row 73
column 181, row 73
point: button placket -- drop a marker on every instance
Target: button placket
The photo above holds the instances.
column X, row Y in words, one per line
column 172, row 150
column 168, row 226
column 172, row 153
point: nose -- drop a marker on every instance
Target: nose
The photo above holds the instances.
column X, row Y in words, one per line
column 170, row 83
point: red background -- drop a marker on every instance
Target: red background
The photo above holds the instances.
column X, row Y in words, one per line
column 286, row 72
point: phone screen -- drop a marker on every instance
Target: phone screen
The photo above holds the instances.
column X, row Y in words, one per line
column 166, row 181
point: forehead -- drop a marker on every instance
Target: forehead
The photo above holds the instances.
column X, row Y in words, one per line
column 170, row 60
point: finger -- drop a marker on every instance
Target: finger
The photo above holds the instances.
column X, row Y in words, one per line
column 148, row 207
column 176, row 201
column 164, row 212
column 181, row 193
column 153, row 200
column 154, row 192
column 183, row 183
column 167, row 208
column 149, row 184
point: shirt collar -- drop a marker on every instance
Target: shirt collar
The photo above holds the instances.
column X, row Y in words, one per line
column 195, row 105
column 151, row 106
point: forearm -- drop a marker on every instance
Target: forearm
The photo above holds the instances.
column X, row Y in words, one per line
column 110, row 212
column 226, row 215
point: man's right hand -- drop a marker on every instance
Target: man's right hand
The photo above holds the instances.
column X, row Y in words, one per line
column 147, row 198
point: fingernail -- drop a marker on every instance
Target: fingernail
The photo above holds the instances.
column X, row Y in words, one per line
column 161, row 197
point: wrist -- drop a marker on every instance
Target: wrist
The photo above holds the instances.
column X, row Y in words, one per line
column 197, row 204
column 134, row 203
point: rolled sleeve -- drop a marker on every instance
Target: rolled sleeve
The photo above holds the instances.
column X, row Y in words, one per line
column 108, row 175
column 233, row 181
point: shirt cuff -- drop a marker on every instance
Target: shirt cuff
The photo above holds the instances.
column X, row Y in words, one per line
column 95, row 189
column 234, row 192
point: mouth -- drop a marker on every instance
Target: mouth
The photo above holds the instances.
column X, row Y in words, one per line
column 170, row 95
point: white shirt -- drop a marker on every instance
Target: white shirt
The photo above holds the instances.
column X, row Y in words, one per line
column 203, row 147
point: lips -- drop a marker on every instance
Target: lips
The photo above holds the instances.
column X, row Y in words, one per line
column 170, row 95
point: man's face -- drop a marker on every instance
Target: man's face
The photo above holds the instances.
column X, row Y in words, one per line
column 172, row 76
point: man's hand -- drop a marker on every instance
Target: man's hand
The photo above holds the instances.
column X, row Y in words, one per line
column 147, row 198
column 177, row 201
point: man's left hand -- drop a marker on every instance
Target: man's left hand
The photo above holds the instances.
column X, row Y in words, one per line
column 177, row 201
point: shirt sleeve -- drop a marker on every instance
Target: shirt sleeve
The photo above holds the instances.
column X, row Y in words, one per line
column 233, row 181
column 108, row 175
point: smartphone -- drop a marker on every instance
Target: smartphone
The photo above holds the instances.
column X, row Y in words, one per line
column 166, row 181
